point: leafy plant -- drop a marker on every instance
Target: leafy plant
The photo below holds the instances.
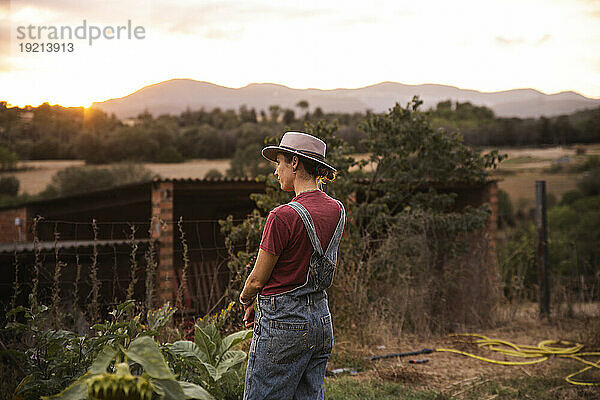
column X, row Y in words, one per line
column 51, row 359
column 99, row 384
column 212, row 360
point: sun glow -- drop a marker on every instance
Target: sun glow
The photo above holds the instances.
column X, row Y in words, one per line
column 487, row 46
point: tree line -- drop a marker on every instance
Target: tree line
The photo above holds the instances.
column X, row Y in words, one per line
column 56, row 132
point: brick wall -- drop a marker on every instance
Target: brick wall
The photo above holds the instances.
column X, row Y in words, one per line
column 9, row 231
column 162, row 230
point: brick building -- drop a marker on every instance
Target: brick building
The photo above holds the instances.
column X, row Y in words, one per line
column 104, row 227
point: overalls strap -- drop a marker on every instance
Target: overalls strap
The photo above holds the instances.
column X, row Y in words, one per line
column 312, row 233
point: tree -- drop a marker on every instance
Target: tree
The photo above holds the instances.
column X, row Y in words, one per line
column 303, row 106
column 8, row 159
column 274, row 111
column 169, row 154
column 246, row 160
column 288, row 116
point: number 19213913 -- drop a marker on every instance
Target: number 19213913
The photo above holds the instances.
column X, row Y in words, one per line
column 46, row 47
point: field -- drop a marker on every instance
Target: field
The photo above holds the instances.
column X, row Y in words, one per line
column 517, row 174
column 36, row 175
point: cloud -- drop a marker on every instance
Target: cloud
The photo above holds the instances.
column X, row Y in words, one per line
column 519, row 41
column 544, row 39
column 226, row 20
column 509, row 42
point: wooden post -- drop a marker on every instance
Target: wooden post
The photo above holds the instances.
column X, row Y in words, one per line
column 542, row 247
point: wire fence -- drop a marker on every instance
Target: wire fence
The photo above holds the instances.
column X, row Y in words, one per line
column 127, row 258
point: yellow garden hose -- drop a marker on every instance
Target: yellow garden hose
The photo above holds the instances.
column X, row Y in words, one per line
column 544, row 350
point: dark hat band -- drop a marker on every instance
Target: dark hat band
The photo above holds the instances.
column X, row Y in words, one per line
column 307, row 152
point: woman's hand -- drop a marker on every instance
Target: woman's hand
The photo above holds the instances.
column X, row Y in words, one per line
column 249, row 315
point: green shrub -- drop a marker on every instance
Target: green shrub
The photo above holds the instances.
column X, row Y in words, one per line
column 589, row 184
column 570, row 196
column 213, row 174
column 169, row 154
column 590, row 162
column 74, row 180
column 9, row 185
column 8, row 159
column 505, row 210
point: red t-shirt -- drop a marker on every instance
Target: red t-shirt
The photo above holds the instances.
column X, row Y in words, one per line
column 285, row 235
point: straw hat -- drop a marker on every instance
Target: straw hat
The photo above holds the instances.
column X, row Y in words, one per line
column 300, row 144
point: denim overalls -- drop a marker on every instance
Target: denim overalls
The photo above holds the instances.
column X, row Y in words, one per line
column 293, row 334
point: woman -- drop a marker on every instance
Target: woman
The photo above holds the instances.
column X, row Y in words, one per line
column 293, row 334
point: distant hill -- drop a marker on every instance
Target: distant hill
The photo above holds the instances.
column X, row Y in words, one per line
column 176, row 95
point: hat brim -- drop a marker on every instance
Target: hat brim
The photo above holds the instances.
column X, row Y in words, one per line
column 270, row 153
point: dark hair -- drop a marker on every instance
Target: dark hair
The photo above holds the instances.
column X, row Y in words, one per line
column 312, row 168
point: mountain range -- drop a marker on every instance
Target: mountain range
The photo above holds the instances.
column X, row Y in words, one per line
column 177, row 95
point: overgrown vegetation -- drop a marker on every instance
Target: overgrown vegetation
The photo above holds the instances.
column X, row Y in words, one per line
column 119, row 358
column 574, row 257
column 134, row 351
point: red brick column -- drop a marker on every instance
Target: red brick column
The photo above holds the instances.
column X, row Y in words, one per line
column 10, row 230
column 162, row 230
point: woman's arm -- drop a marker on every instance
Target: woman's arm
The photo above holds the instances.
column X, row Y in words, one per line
column 259, row 276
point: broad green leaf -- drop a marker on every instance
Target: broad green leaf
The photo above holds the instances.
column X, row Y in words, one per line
column 213, row 333
column 103, row 361
column 185, row 348
column 193, row 391
column 76, row 391
column 205, row 343
column 231, row 359
column 168, row 389
column 234, row 339
column 144, row 351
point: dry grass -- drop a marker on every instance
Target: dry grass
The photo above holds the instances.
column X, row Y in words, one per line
column 451, row 373
column 526, row 165
column 189, row 169
column 521, row 186
column 36, row 175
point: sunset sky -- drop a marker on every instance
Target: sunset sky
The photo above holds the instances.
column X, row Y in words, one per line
column 549, row 45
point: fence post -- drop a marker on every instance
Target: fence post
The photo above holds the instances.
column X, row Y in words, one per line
column 542, row 247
